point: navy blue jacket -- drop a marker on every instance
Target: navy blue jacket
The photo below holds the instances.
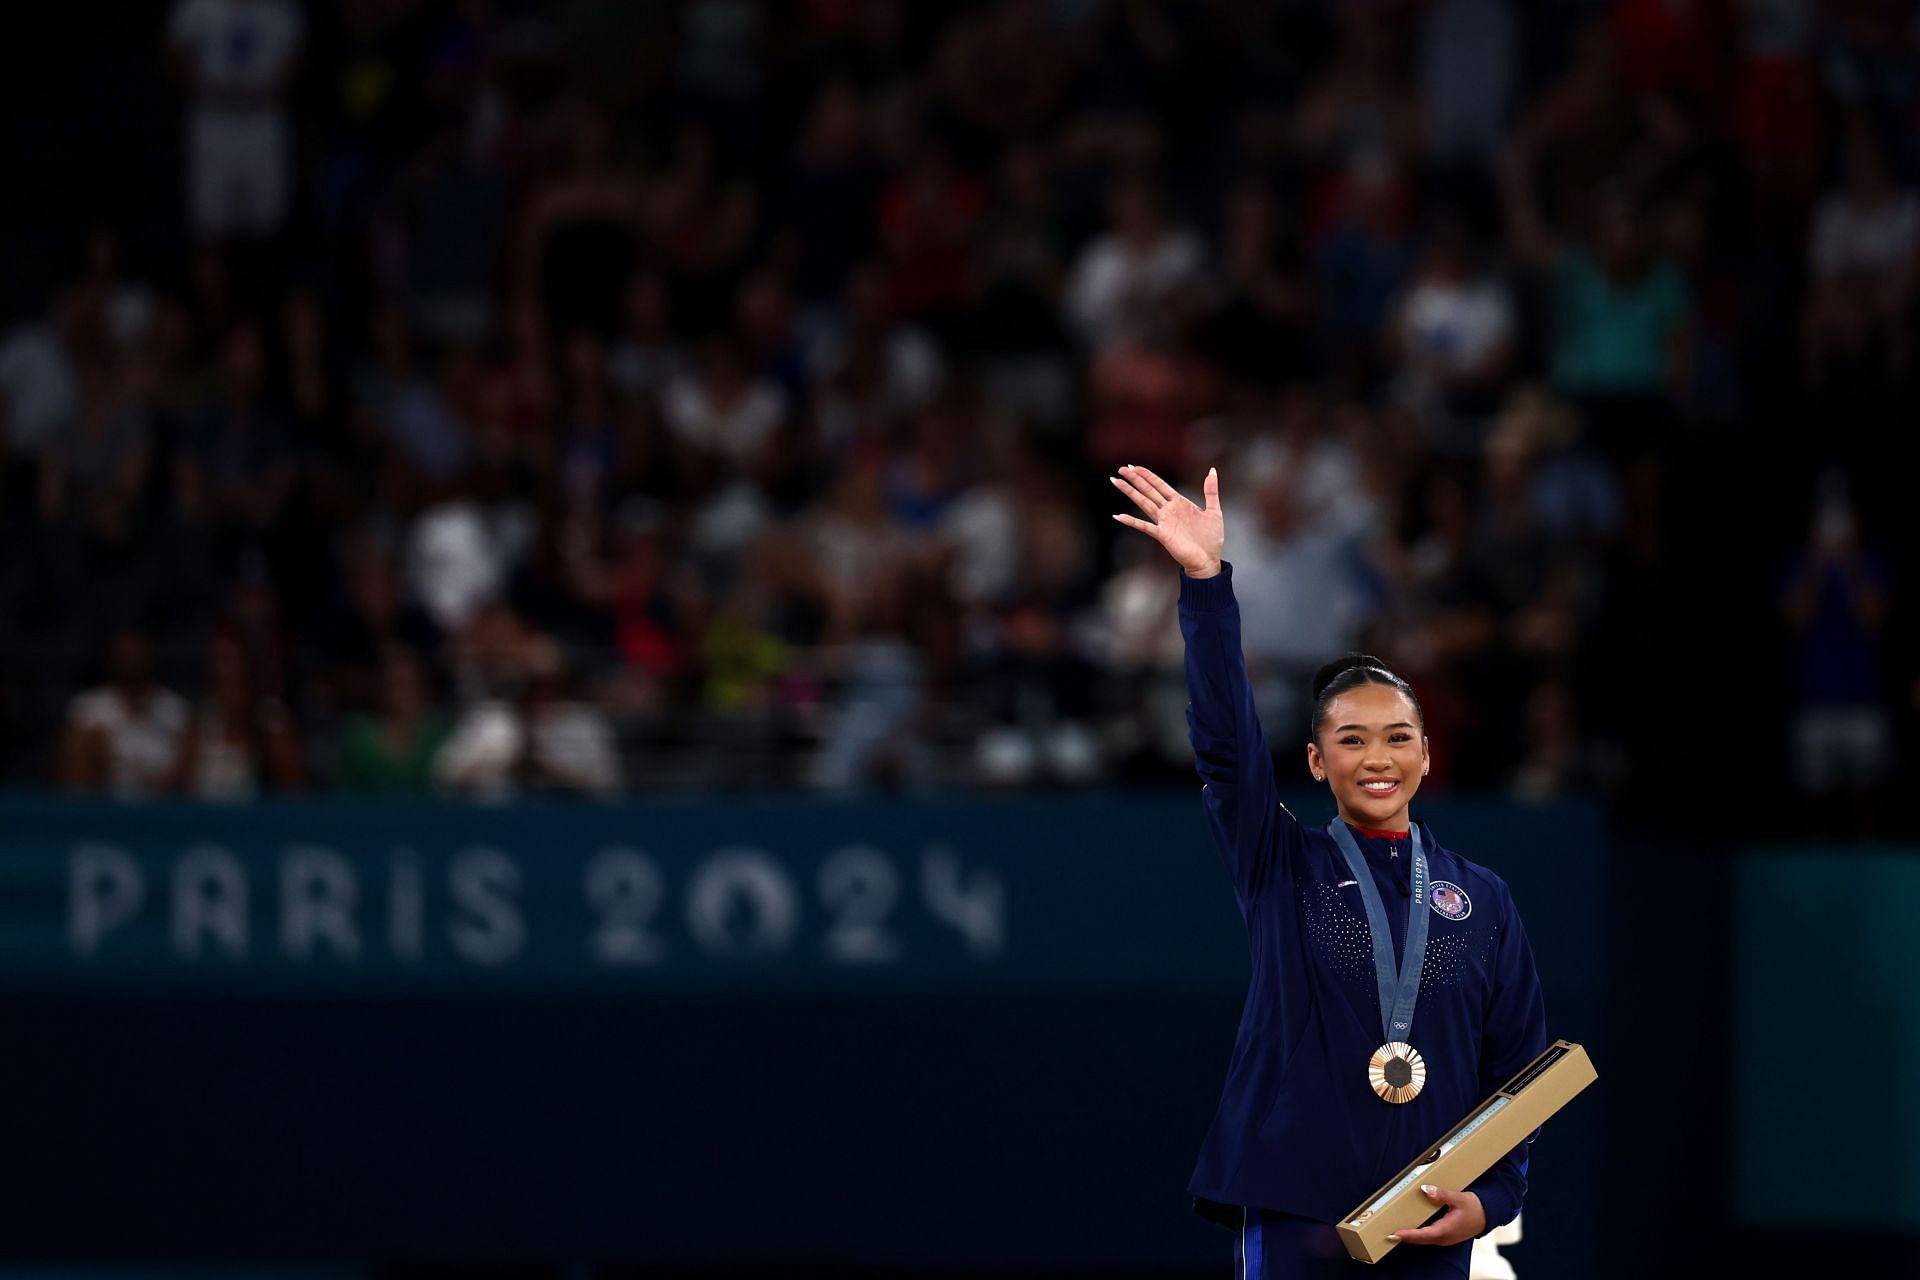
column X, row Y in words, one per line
column 1298, row 1129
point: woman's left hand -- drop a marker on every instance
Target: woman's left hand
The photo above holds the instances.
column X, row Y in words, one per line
column 1463, row 1220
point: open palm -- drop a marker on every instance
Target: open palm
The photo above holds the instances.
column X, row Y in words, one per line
column 1193, row 536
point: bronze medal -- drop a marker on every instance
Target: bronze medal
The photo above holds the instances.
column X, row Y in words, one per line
column 1397, row 1072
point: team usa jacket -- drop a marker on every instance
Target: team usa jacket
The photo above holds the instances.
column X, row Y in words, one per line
column 1298, row 1129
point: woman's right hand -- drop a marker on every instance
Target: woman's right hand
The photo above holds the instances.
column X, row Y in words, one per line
column 1193, row 536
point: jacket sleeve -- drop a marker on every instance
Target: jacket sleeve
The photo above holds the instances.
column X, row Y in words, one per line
column 1515, row 1033
column 1255, row 833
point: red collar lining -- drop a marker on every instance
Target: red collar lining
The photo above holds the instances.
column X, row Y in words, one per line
column 1381, row 835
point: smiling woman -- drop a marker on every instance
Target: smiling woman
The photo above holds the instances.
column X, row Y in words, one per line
column 1353, row 929
column 1368, row 739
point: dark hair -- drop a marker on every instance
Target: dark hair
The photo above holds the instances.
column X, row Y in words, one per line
column 1350, row 672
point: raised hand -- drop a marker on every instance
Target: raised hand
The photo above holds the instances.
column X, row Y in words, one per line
column 1193, row 536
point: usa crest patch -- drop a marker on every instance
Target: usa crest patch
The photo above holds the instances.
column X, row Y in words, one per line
column 1450, row 900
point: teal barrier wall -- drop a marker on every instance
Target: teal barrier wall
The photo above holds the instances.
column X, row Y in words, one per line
column 966, row 1032
column 1827, row 1029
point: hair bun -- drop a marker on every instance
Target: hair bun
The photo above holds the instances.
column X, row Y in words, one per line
column 1332, row 671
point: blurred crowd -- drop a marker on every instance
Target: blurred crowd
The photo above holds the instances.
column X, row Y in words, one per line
column 598, row 395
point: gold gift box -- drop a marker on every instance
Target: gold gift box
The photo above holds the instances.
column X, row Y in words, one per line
column 1468, row 1150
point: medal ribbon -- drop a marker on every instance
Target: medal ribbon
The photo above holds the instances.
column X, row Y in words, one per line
column 1398, row 992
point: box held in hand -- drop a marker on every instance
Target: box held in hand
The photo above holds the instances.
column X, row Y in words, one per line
column 1468, row 1150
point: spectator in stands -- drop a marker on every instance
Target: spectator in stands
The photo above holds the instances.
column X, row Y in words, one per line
column 235, row 467
column 526, row 730
column 1361, row 260
column 311, row 367
column 394, row 748
column 1466, row 77
column 871, row 367
column 722, row 410
column 242, row 739
column 1033, row 652
column 656, row 607
column 1623, row 311
column 1364, row 102
column 586, row 442
column 926, row 219
column 237, row 59
column 457, row 563
column 1453, row 333
column 702, row 214
column 569, row 740
column 404, row 415
column 456, row 214
column 128, row 736
column 645, row 356
column 1142, row 629
column 1014, row 320
column 882, row 671
column 1557, row 761
column 583, row 227
column 93, row 476
column 830, row 190
column 38, row 393
column 128, row 302
column 1129, row 283
column 1835, row 598
column 1257, row 330
column 1864, row 254
column 1573, row 495
column 357, row 631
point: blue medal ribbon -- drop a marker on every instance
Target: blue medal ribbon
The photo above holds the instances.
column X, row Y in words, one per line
column 1398, row 992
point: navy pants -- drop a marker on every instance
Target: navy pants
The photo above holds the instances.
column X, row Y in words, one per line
column 1280, row 1246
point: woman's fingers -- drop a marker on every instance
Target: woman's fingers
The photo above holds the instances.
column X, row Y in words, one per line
column 1210, row 488
column 1154, row 483
column 1141, row 500
column 1462, row 1221
column 1151, row 530
column 1439, row 1231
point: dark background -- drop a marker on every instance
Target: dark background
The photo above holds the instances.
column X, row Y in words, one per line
column 162, row 1122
